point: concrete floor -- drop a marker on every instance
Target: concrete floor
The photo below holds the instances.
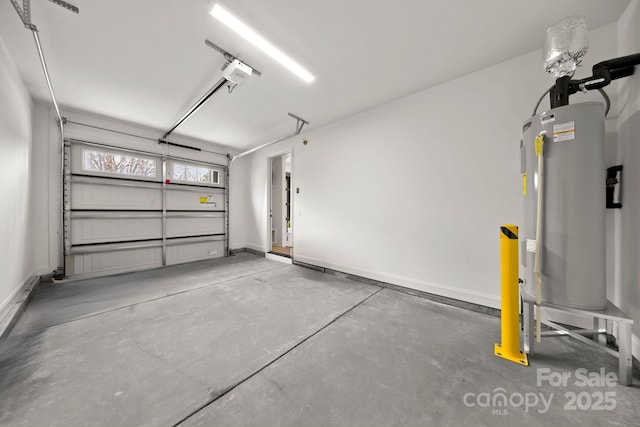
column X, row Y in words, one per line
column 245, row 341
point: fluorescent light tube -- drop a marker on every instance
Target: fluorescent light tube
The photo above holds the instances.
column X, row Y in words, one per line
column 257, row 40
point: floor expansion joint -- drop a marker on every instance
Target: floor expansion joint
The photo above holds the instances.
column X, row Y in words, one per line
column 88, row 316
column 304, row 340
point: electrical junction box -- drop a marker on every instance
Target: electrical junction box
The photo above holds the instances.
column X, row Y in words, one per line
column 237, row 72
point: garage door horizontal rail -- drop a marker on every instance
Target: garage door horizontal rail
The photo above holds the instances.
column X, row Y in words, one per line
column 123, row 182
column 193, row 186
column 77, row 250
column 85, row 215
column 87, row 249
column 79, row 179
column 194, row 215
column 128, row 215
column 115, row 182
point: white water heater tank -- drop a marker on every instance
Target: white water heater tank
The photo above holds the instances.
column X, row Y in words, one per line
column 572, row 252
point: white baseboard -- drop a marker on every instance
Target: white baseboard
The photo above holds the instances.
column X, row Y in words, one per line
column 278, row 258
column 44, row 271
column 237, row 247
column 254, row 247
column 467, row 295
column 474, row 297
column 12, row 307
column 17, row 291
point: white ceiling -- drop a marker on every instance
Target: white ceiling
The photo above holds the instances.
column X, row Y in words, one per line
column 145, row 61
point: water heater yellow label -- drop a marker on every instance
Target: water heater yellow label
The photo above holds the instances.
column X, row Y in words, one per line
column 524, row 184
column 539, row 144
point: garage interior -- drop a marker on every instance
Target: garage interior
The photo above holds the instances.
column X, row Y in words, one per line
column 198, row 232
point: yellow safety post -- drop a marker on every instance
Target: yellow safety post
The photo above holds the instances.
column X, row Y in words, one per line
column 510, row 317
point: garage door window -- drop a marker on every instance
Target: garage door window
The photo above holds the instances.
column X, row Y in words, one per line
column 194, row 174
column 117, row 164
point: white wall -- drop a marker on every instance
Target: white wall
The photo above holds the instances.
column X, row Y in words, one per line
column 45, row 187
column 413, row 192
column 16, row 189
column 628, row 218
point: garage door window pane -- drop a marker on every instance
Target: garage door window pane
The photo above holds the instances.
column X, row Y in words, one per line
column 193, row 173
column 118, row 164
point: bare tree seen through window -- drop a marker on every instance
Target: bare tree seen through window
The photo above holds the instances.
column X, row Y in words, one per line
column 191, row 173
column 118, row 163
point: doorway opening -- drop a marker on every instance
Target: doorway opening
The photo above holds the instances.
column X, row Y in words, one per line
column 280, row 217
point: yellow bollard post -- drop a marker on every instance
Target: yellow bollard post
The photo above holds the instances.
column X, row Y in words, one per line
column 509, row 348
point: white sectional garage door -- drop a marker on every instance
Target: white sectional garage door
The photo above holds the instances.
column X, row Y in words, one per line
column 128, row 210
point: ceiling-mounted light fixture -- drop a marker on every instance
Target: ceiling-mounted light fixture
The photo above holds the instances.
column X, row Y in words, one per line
column 257, row 40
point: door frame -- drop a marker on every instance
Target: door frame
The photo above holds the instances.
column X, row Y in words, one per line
column 268, row 245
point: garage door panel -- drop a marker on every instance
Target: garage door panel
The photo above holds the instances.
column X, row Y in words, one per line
column 195, row 226
column 199, row 200
column 101, row 230
column 114, row 262
column 180, row 253
column 107, row 197
column 129, row 210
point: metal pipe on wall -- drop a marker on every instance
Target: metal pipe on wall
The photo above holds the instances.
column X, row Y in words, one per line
column 24, row 14
column 227, row 207
column 47, row 78
column 299, row 125
column 43, row 62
